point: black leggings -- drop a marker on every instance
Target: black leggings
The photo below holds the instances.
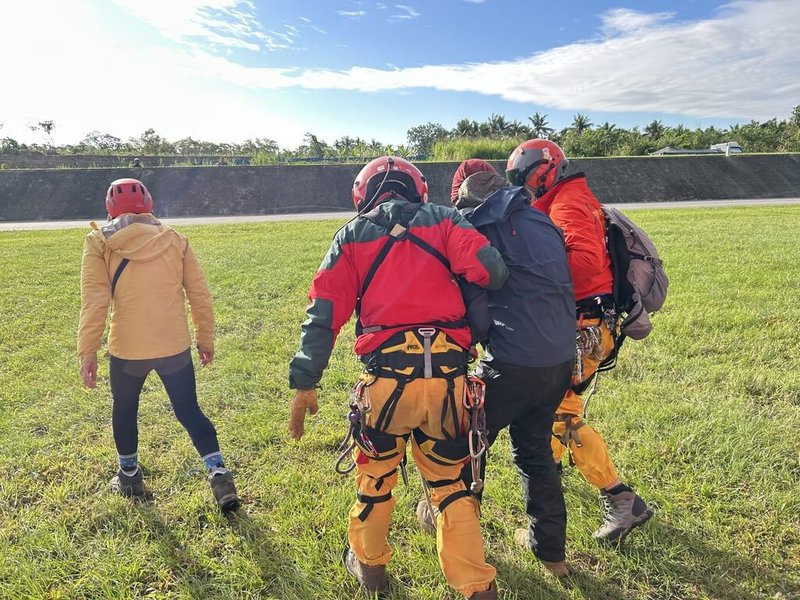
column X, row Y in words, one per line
column 177, row 374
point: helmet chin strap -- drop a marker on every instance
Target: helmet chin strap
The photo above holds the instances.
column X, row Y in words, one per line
column 541, row 190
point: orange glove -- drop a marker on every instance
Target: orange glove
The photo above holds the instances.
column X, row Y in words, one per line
column 304, row 400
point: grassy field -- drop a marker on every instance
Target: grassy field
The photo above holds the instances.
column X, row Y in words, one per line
column 702, row 418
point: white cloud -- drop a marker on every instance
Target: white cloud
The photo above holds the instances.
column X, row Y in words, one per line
column 742, row 63
column 93, row 76
column 351, row 14
column 406, row 13
column 475, row 1
column 230, row 23
column 623, row 20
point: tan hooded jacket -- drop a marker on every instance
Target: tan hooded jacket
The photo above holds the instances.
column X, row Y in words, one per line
column 148, row 312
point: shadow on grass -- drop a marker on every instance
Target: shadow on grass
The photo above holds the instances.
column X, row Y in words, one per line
column 718, row 573
column 280, row 576
column 684, row 564
column 517, row 581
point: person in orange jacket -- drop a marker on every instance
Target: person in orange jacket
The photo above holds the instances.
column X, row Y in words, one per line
column 540, row 165
column 145, row 271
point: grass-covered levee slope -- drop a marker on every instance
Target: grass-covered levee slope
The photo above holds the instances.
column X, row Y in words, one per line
column 702, row 418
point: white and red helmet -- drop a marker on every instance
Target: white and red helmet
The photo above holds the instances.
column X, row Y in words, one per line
column 128, row 196
column 388, row 177
column 537, row 164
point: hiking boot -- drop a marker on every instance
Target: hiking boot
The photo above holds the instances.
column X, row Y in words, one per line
column 130, row 486
column 490, row 594
column 558, row 568
column 624, row 511
column 372, row 579
column 426, row 520
column 224, row 491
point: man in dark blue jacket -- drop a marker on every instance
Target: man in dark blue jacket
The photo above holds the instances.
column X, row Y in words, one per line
column 530, row 349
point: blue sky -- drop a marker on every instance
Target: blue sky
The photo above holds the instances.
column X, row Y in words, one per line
column 227, row 70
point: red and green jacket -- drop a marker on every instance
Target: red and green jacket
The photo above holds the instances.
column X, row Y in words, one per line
column 412, row 287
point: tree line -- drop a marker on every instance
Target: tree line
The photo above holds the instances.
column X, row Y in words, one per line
column 493, row 138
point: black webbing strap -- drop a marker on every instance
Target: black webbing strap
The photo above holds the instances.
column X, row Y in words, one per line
column 429, row 249
column 387, row 412
column 379, row 480
column 442, row 482
column 369, row 501
column 117, row 273
column 379, row 218
column 452, row 498
column 375, row 264
column 450, row 403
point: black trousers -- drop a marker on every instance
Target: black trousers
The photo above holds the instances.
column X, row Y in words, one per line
column 524, row 399
column 177, row 374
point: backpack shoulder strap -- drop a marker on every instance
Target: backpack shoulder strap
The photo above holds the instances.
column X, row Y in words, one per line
column 394, row 233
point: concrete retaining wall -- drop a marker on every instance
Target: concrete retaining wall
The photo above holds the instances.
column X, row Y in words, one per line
column 207, row 191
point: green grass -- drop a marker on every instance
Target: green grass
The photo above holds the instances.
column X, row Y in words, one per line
column 702, row 418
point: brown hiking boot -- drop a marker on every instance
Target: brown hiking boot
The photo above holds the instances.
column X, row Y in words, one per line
column 490, row 594
column 224, row 491
column 426, row 520
column 557, row 568
column 372, row 579
column 130, row 486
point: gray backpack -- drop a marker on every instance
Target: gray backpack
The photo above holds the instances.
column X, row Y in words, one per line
column 640, row 282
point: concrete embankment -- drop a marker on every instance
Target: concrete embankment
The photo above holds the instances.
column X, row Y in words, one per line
column 50, row 194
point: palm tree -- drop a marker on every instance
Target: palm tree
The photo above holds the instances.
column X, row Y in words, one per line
column 655, row 129
column 516, row 130
column 609, row 131
column 539, row 128
column 466, row 128
column 581, row 123
column 498, row 126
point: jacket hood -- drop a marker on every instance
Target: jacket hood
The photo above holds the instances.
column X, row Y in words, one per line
column 500, row 205
column 137, row 237
column 467, row 168
column 477, row 187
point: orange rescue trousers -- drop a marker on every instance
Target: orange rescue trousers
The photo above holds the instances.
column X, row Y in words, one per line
column 587, row 449
column 437, row 451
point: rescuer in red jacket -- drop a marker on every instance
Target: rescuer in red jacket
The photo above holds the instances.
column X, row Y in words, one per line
column 540, row 165
column 395, row 265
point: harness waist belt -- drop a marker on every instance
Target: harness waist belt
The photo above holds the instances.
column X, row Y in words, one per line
column 458, row 324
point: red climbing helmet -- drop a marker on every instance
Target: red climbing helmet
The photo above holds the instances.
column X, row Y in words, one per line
column 537, row 164
column 388, row 177
column 128, row 196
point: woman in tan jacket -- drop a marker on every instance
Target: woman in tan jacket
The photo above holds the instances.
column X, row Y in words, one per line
column 145, row 271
